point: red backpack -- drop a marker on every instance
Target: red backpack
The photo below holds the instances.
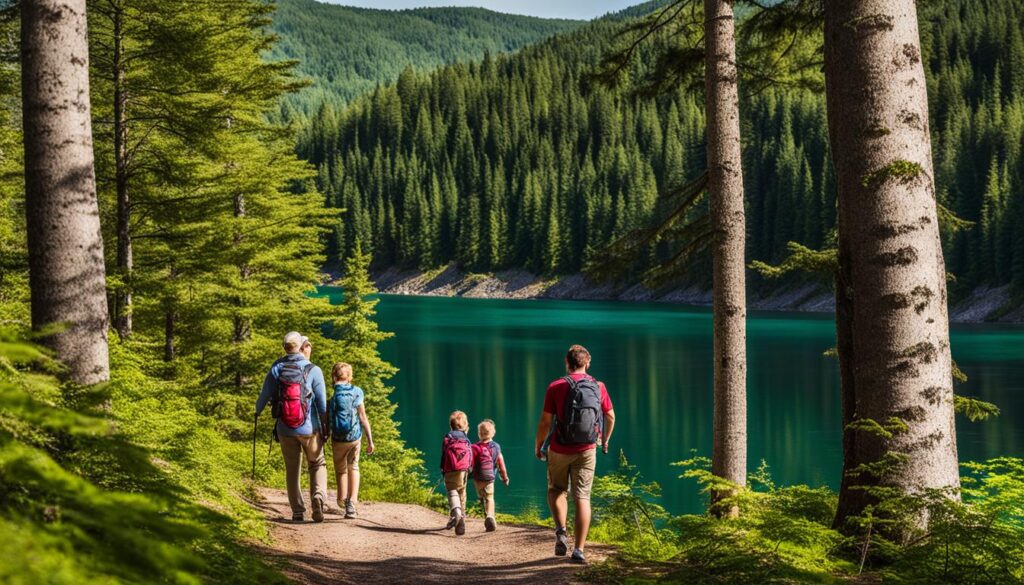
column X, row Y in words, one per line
column 485, row 459
column 291, row 405
column 456, row 453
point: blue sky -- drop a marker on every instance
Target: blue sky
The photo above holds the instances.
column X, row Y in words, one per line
column 578, row 9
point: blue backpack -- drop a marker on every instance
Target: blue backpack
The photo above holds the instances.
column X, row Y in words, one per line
column 345, row 425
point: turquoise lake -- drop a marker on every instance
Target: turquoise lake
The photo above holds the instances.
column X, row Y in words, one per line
column 494, row 359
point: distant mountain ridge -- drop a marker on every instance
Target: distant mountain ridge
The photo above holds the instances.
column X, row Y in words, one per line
column 347, row 51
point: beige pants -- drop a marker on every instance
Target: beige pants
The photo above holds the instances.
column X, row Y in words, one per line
column 456, row 480
column 346, row 469
column 485, row 491
column 293, row 449
column 573, row 473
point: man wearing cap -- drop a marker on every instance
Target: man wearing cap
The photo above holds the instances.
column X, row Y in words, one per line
column 304, row 439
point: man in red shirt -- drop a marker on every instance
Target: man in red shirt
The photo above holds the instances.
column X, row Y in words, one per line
column 571, row 462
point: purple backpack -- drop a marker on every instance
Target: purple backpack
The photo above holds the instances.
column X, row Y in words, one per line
column 485, row 457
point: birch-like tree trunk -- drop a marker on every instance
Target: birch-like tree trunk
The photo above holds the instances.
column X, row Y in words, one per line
column 725, row 184
column 66, row 271
column 891, row 317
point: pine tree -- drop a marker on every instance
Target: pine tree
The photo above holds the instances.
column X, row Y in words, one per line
column 892, row 325
column 65, row 245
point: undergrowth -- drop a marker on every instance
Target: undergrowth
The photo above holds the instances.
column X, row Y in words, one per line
column 784, row 534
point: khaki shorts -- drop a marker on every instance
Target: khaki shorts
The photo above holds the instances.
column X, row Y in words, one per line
column 575, row 471
column 346, row 455
column 455, row 481
column 484, row 489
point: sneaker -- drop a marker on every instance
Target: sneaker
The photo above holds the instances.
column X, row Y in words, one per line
column 490, row 525
column 561, row 542
column 460, row 525
column 350, row 510
column 452, row 520
column 577, row 556
column 318, row 510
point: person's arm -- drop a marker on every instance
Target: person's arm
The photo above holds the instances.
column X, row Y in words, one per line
column 501, row 468
column 543, row 427
column 321, row 423
column 609, row 426
column 267, row 392
column 366, row 429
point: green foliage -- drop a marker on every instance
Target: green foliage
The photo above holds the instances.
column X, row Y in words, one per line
column 83, row 502
column 503, row 163
column 784, row 534
column 522, row 161
column 344, row 66
column 801, row 259
column 900, row 170
column 974, row 409
column 627, row 514
column 145, row 479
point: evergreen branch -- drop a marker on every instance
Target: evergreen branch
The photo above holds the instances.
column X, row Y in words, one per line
column 975, row 410
column 801, row 259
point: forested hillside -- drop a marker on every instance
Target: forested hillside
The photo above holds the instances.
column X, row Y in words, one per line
column 346, row 51
column 516, row 161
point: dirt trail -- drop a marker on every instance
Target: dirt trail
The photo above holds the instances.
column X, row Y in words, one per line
column 399, row 543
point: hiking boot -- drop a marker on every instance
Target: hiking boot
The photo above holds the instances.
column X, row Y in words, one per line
column 297, row 517
column 350, row 510
column 490, row 525
column 453, row 518
column 577, row 556
column 460, row 525
column 561, row 542
column 318, row 510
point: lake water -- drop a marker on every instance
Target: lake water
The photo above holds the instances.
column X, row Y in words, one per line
column 494, row 359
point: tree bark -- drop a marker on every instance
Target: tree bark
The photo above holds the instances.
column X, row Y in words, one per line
column 725, row 184
column 66, row 271
column 891, row 316
column 170, row 325
column 241, row 324
column 170, row 317
column 123, row 296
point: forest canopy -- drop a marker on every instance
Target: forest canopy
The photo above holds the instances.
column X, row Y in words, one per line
column 516, row 161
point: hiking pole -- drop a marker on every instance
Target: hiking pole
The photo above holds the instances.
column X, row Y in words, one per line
column 255, row 421
column 438, row 484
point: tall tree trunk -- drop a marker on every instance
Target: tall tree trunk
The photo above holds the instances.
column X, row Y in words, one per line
column 170, row 324
column 170, row 317
column 66, row 272
column 891, row 319
column 241, row 324
column 123, row 296
column 729, row 299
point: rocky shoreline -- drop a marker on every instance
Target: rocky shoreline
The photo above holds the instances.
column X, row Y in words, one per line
column 984, row 305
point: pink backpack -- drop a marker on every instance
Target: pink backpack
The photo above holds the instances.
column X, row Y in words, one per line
column 485, row 461
column 456, row 453
column 291, row 405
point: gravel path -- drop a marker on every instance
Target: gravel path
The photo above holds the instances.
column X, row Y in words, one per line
column 399, row 543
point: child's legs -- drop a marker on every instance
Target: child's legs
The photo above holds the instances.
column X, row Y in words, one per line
column 462, row 490
column 485, row 491
column 455, row 481
column 353, row 474
column 343, row 469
